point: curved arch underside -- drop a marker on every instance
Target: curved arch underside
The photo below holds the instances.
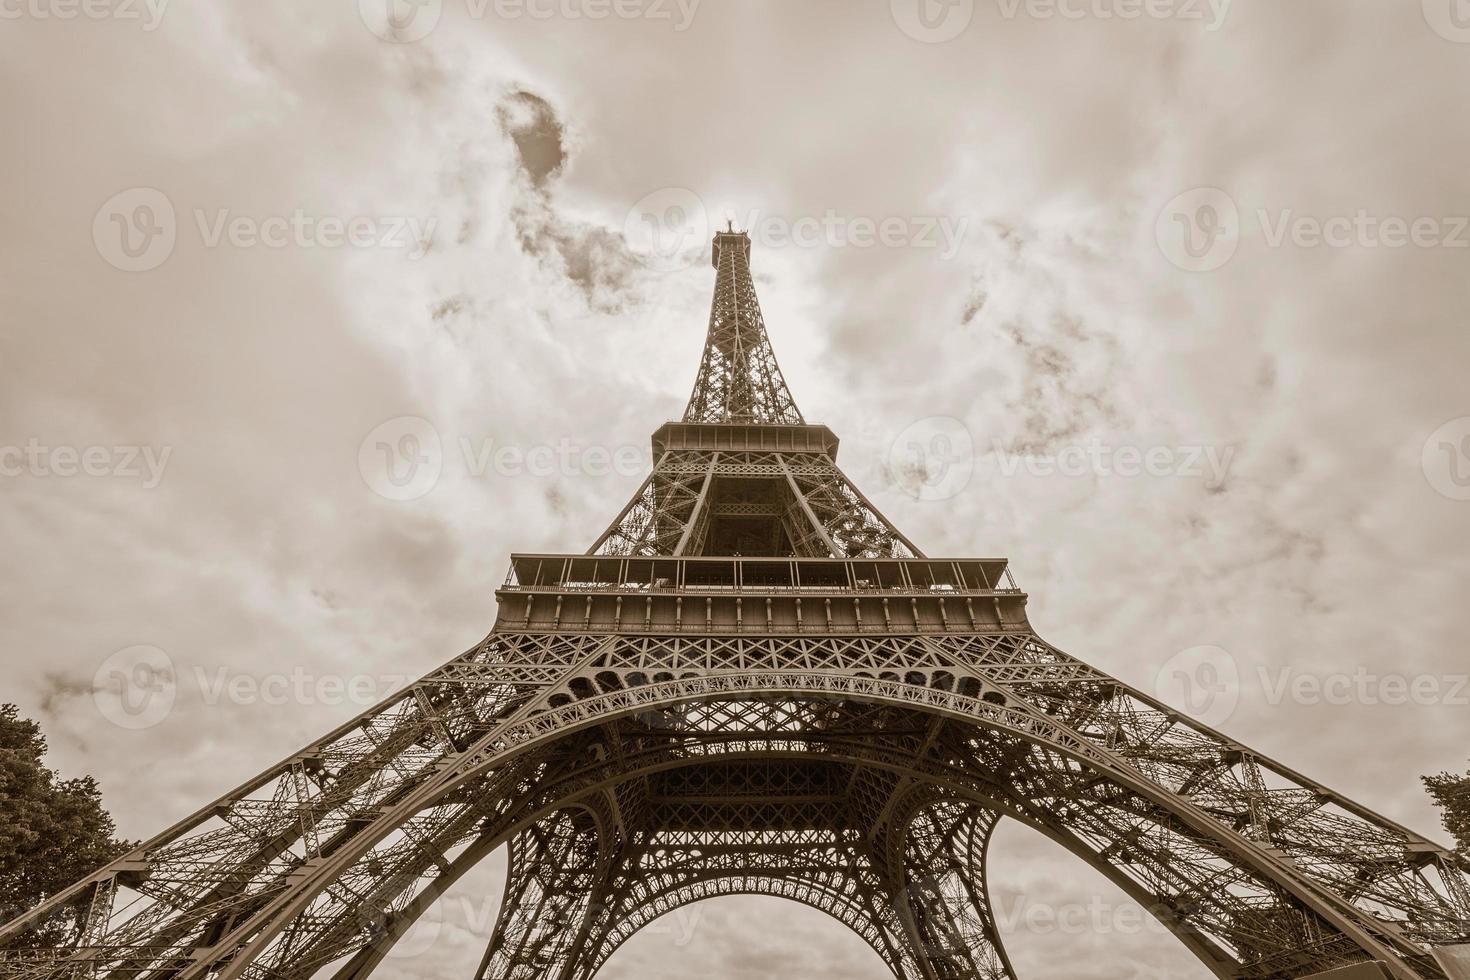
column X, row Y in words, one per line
column 862, row 774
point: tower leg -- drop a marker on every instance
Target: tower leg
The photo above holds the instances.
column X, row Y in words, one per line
column 556, row 867
column 943, row 898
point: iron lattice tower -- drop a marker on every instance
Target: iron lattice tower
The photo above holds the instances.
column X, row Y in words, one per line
column 753, row 683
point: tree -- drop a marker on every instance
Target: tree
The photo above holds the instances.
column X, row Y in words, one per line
column 53, row 831
column 1452, row 794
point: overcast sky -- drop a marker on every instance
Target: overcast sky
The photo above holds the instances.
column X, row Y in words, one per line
column 1051, row 275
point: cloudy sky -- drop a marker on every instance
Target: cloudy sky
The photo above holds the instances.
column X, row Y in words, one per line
column 1170, row 309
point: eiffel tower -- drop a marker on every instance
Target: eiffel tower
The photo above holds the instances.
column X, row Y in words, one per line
column 753, row 683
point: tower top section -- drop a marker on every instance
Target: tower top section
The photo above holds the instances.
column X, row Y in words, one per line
column 739, row 379
column 736, row 241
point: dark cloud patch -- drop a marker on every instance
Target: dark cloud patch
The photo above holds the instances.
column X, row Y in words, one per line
column 447, row 308
column 57, row 690
column 594, row 259
column 598, row 262
column 556, row 502
column 532, row 125
column 975, row 305
column 1066, row 381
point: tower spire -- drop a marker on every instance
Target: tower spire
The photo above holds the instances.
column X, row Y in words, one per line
column 739, row 379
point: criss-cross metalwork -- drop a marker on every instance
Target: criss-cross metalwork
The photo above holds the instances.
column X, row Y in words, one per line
column 739, row 379
column 754, row 684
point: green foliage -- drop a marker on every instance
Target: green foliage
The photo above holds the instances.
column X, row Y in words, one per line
column 52, row 831
column 1452, row 794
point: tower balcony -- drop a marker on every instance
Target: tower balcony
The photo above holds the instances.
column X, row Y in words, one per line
column 741, row 437
column 624, row 594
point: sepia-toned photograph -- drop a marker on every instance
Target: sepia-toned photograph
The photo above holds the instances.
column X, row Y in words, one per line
column 735, row 490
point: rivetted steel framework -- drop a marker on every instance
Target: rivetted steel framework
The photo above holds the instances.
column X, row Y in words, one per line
column 753, row 683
